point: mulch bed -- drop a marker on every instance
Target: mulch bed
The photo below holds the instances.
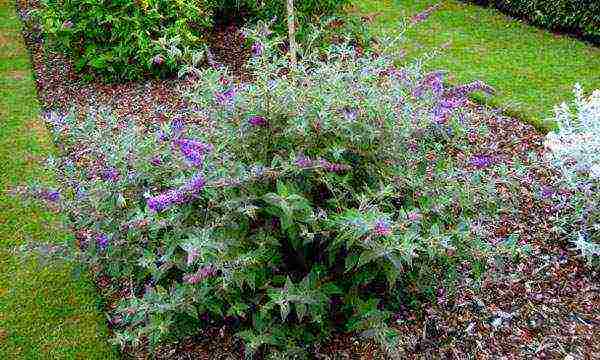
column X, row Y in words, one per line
column 545, row 306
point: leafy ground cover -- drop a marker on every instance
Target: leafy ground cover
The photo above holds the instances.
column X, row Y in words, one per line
column 532, row 69
column 44, row 312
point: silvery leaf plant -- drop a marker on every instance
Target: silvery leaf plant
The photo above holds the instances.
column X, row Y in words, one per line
column 574, row 150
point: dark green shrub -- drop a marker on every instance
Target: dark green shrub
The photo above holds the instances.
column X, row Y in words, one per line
column 579, row 16
column 117, row 39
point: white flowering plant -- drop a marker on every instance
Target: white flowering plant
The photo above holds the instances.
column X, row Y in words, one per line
column 574, row 150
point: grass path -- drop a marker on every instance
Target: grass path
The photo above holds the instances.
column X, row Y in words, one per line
column 44, row 313
column 532, row 69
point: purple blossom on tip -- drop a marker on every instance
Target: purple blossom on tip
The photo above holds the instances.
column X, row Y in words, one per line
column 204, row 272
column 193, row 150
column 156, row 160
column 546, row 192
column 67, row 24
column 382, row 227
column 49, row 195
column 463, row 91
column 414, row 216
column 194, row 185
column 350, row 114
column 165, row 200
column 177, row 126
column 303, row 162
column 186, row 193
column 333, row 167
column 161, row 136
column 257, row 49
column 423, row 15
column 480, row 161
column 158, row 60
column 102, row 241
column 226, row 97
column 110, row 174
column 257, row 121
column 445, row 108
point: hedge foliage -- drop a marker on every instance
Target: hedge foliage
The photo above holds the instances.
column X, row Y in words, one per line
column 581, row 17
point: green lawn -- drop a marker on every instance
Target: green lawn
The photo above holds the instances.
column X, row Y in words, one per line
column 44, row 312
column 532, row 69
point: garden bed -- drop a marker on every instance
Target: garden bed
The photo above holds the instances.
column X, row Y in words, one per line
column 542, row 305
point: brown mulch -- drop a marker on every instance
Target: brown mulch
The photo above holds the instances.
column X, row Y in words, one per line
column 544, row 306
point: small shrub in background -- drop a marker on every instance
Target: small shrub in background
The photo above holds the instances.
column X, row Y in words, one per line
column 117, row 40
column 296, row 209
column 579, row 16
column 122, row 40
column 574, row 150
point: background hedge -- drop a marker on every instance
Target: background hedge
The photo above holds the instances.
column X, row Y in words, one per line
column 581, row 17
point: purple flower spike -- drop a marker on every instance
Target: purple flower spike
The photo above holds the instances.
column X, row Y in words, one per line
column 49, row 195
column 158, row 60
column 423, row 15
column 195, row 185
column 225, row 98
column 332, row 167
column 177, row 126
column 110, row 174
column 165, row 200
column 193, row 150
column 257, row 49
column 102, row 241
column 257, row 121
column 414, row 216
column 481, row 161
column 67, row 24
column 546, row 192
column 303, row 162
column 204, row 272
column 350, row 114
column 156, row 160
column 382, row 228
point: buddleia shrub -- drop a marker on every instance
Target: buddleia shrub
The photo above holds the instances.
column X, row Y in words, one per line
column 574, row 150
column 289, row 207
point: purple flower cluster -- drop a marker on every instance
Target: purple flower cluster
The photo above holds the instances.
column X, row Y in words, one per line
column 257, row 49
column 481, row 161
column 102, row 241
column 110, row 174
column 333, row 167
column 158, row 60
column 463, row 91
column 193, row 150
column 304, row 162
column 186, row 193
column 204, row 272
column 257, row 121
column 49, row 195
column 414, row 216
column 423, row 15
column 382, row 227
column 225, row 98
column 446, row 107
